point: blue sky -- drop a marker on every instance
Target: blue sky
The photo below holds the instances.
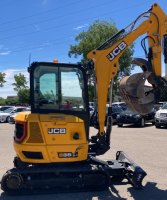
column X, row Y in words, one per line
column 46, row 28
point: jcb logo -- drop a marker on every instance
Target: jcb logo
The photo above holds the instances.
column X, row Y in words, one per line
column 117, row 51
column 56, row 130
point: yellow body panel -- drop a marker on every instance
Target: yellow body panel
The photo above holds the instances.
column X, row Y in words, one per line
column 22, row 116
column 52, row 146
column 50, row 152
column 19, row 148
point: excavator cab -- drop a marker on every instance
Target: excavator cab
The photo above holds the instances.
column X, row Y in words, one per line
column 59, row 88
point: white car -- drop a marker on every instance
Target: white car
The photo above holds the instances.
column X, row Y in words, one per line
column 91, row 109
column 5, row 115
column 2, row 108
column 12, row 116
column 91, row 104
column 161, row 117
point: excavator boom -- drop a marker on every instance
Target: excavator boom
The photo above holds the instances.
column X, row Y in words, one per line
column 132, row 88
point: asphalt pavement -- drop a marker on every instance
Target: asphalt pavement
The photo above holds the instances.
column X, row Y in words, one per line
column 146, row 146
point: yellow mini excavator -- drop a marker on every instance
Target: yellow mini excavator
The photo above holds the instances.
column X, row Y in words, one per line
column 53, row 150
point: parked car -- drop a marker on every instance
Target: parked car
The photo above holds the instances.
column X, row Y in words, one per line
column 12, row 116
column 27, row 109
column 5, row 115
column 121, row 105
column 161, row 117
column 91, row 110
column 159, row 105
column 128, row 117
column 16, row 103
column 92, row 104
column 115, row 112
column 2, row 108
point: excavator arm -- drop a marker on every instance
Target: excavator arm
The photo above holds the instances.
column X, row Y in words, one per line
column 132, row 87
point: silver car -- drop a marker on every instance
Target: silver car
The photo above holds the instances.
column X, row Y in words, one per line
column 161, row 117
column 5, row 115
column 2, row 108
column 12, row 120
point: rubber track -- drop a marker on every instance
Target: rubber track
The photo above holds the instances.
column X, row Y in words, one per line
column 74, row 168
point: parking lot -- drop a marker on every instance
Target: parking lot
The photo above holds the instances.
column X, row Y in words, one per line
column 147, row 146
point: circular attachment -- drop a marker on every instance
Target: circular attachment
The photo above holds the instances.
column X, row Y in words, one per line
column 76, row 136
column 13, row 182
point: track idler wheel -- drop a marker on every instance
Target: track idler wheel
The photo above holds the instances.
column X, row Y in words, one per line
column 132, row 91
column 13, row 182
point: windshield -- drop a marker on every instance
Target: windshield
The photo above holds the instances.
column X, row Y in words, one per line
column 127, row 110
column 165, row 106
column 3, row 108
column 157, row 106
column 7, row 110
column 27, row 109
column 59, row 88
column 116, row 109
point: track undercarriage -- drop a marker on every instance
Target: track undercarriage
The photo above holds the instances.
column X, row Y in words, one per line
column 90, row 175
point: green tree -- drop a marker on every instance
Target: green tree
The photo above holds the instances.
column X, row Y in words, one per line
column 24, row 96
column 20, row 82
column 2, row 101
column 2, row 79
column 50, row 96
column 96, row 35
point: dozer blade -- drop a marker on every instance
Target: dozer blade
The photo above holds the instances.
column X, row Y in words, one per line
column 134, row 173
column 132, row 91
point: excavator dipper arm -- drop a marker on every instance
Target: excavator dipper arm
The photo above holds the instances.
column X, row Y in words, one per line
column 132, row 88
